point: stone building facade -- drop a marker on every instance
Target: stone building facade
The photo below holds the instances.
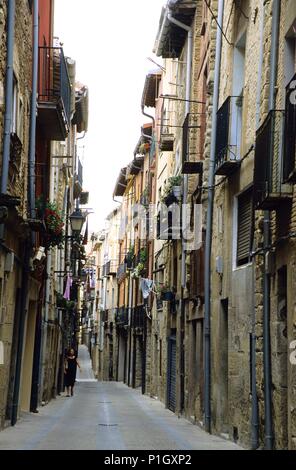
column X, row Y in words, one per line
column 233, row 293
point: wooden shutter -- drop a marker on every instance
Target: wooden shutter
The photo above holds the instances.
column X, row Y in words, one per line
column 244, row 224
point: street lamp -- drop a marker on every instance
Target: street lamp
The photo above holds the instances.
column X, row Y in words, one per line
column 77, row 220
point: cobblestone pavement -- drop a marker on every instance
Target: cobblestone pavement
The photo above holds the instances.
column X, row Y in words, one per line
column 106, row 416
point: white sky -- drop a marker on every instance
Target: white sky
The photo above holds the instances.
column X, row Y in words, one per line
column 110, row 41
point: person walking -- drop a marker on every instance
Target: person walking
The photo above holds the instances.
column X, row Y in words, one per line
column 70, row 369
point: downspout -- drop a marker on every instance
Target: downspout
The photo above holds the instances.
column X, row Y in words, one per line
column 269, row 436
column 130, row 301
column 8, row 94
column 209, row 227
column 255, row 408
column 32, row 142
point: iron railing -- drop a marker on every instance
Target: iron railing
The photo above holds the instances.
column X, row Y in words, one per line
column 228, row 145
column 121, row 271
column 138, row 316
column 80, row 173
column 289, row 162
column 121, row 316
column 268, row 188
column 54, row 84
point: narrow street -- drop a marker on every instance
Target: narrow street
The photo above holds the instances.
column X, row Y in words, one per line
column 106, row 416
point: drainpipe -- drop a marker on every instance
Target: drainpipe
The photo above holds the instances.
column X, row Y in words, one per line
column 255, row 408
column 32, row 142
column 209, row 227
column 153, row 123
column 130, row 306
column 8, row 94
column 269, row 436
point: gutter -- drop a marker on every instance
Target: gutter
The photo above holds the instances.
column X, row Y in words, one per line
column 209, row 227
column 32, row 141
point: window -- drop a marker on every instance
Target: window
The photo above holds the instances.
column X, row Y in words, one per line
column 237, row 92
column 14, row 106
column 244, row 225
column 17, row 111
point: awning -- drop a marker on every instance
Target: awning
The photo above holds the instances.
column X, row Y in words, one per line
column 135, row 166
column 150, row 92
column 171, row 38
column 121, row 184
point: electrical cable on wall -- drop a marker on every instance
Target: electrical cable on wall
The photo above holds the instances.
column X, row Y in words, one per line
column 216, row 21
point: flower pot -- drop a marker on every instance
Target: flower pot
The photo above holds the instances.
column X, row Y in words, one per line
column 177, row 191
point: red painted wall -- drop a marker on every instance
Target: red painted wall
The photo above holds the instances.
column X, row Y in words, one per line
column 46, row 8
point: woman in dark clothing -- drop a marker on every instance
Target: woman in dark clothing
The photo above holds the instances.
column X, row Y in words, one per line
column 71, row 364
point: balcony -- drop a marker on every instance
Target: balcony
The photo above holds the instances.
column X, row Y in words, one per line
column 269, row 192
column 78, row 181
column 228, row 137
column 121, row 317
column 121, row 272
column 109, row 269
column 54, row 93
column 138, row 317
column 167, row 139
column 289, row 163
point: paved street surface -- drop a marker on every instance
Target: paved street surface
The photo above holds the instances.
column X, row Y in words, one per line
column 106, row 416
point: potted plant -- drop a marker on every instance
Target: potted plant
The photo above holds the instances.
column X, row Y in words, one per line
column 143, row 255
column 130, row 257
column 48, row 211
column 144, row 148
column 175, row 184
column 139, row 271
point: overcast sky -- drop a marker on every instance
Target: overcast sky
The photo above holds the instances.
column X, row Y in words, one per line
column 110, row 41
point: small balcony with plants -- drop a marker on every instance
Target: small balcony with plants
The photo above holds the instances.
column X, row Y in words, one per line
column 52, row 222
column 140, row 263
column 172, row 192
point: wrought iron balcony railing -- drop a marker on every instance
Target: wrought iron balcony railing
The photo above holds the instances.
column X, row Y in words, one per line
column 121, row 271
column 138, row 317
column 269, row 190
column 289, row 161
column 121, row 316
column 54, row 93
column 228, row 137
